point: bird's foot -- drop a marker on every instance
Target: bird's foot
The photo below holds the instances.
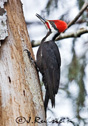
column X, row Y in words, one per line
column 31, row 59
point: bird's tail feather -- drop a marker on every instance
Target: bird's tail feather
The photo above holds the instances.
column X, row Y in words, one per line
column 46, row 101
column 53, row 101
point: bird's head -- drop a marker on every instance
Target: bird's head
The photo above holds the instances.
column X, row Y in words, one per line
column 54, row 26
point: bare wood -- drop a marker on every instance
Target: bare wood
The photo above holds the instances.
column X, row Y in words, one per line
column 77, row 33
column 20, row 93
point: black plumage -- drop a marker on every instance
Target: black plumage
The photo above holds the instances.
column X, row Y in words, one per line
column 48, row 62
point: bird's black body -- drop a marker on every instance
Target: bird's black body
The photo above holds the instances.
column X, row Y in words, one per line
column 48, row 58
column 48, row 62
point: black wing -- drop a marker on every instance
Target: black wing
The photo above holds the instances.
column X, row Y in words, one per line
column 49, row 65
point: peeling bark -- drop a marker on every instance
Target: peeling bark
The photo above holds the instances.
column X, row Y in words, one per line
column 20, row 92
column 3, row 24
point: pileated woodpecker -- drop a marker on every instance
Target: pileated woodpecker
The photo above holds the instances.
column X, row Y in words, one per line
column 48, row 58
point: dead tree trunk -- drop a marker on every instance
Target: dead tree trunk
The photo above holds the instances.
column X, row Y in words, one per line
column 20, row 93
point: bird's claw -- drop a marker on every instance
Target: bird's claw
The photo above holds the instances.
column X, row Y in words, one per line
column 31, row 59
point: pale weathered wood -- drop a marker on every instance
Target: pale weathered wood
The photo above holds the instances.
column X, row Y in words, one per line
column 20, row 93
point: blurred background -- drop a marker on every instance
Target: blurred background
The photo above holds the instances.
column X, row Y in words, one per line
column 72, row 97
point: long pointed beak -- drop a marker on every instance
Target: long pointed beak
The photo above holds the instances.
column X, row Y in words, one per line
column 42, row 19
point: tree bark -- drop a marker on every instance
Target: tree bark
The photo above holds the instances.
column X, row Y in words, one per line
column 20, row 92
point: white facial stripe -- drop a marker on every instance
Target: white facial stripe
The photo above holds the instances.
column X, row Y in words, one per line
column 52, row 28
column 53, row 32
column 50, row 36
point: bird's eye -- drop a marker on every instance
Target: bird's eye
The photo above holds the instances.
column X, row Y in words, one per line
column 53, row 25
